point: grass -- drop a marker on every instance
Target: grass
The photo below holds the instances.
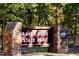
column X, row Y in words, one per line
column 34, row 49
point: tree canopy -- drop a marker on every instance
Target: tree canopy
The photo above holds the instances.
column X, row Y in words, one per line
column 42, row 14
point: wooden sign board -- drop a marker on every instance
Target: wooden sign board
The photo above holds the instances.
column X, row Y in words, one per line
column 37, row 36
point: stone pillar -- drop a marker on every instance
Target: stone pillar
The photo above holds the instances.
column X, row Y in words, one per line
column 7, row 43
column 62, row 45
column 53, row 37
column 55, row 40
column 59, row 40
column 12, row 38
column 55, row 45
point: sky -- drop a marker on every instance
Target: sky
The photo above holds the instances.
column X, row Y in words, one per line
column 39, row 1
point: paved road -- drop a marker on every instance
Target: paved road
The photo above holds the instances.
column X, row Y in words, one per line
column 49, row 54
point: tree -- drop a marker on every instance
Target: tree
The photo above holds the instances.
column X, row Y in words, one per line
column 71, row 19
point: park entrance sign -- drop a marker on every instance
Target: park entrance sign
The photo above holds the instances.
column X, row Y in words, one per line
column 15, row 36
column 36, row 36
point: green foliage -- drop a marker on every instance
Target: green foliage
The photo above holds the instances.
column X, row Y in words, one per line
column 41, row 13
